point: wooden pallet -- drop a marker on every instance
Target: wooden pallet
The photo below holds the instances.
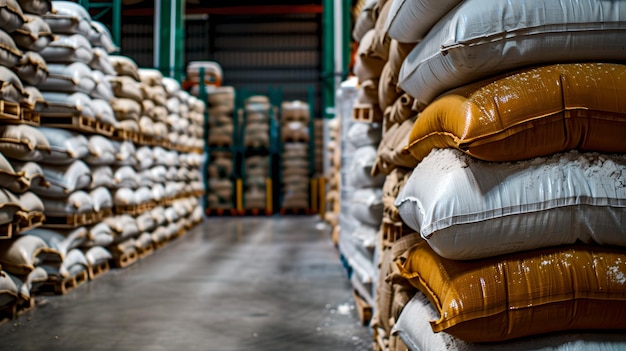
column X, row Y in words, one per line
column 102, row 214
column 10, row 112
column 124, row 260
column 161, row 244
column 364, row 310
column 94, row 271
column 143, row 252
column 30, row 116
column 147, row 140
column 27, row 220
column 129, row 209
column 7, row 313
column 61, row 286
column 75, row 122
column 391, row 231
column 6, row 231
column 104, row 129
column 70, row 221
column 366, row 113
column 23, row 306
column 121, row 134
column 381, row 343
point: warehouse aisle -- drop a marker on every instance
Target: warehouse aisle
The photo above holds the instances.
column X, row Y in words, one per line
column 230, row 284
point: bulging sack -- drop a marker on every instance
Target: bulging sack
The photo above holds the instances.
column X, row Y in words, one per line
column 534, row 112
column 479, row 39
column 564, row 288
column 467, row 209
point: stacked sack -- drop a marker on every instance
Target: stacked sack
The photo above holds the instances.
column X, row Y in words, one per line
column 516, row 189
column 22, row 257
column 361, row 193
column 75, row 178
column 26, row 259
column 221, row 107
column 333, row 195
column 203, row 74
column 256, row 139
column 295, row 118
column 379, row 59
column 63, row 72
column 150, row 179
column 221, row 139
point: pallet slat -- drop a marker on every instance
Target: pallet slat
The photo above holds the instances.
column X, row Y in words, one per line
column 62, row 286
column 70, row 221
column 124, row 260
column 366, row 113
column 94, row 271
column 75, row 122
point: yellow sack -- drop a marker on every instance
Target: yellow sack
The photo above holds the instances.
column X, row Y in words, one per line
column 562, row 288
column 530, row 113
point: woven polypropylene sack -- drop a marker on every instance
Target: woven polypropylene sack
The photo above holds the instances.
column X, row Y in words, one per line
column 101, row 37
column 65, row 146
column 535, row 292
column 467, row 208
column 68, row 49
column 531, row 113
column 19, row 255
column 64, row 179
column 410, row 20
column 367, row 207
column 23, row 142
column 69, row 18
column 391, row 152
column 364, row 21
column 102, row 199
column 34, row 34
column 414, row 329
column 125, row 66
column 11, row 15
column 360, row 170
column 371, row 66
column 479, row 39
column 32, row 68
column 10, row 55
column 11, row 87
column 37, row 7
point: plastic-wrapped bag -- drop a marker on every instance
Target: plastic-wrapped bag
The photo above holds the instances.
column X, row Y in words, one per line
column 534, row 112
column 535, row 292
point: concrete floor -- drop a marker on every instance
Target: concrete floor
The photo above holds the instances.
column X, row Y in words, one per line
column 230, row 284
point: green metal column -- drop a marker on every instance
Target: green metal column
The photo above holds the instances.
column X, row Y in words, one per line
column 328, row 61
column 116, row 22
column 335, row 50
column 169, row 38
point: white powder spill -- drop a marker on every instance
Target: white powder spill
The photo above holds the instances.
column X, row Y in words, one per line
column 616, row 275
column 343, row 309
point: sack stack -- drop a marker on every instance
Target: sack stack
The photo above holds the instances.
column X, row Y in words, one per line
column 98, row 156
column 502, row 128
column 295, row 119
column 256, row 141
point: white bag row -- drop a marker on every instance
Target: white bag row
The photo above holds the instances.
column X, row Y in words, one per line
column 477, row 39
column 467, row 209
